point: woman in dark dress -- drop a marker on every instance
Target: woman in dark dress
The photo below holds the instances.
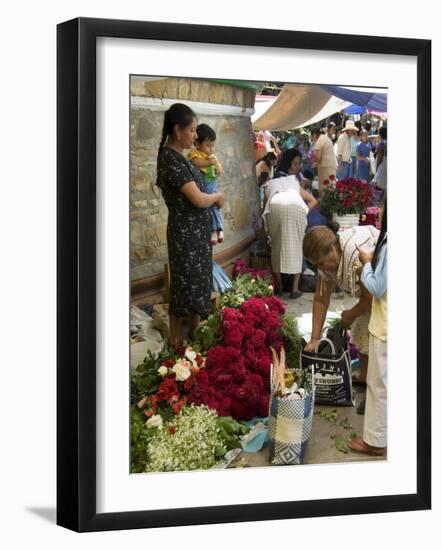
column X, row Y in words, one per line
column 188, row 227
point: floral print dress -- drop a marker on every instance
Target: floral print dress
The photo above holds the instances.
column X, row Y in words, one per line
column 188, row 237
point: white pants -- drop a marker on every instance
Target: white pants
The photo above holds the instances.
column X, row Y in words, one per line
column 375, row 418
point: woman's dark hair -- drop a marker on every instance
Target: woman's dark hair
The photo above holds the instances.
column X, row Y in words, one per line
column 382, row 239
column 286, row 160
column 178, row 113
column 316, row 131
column 383, row 132
column 204, row 131
column 267, row 158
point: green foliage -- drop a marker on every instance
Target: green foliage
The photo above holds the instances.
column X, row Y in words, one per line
column 140, row 436
column 330, row 415
column 145, row 379
column 244, row 287
column 230, row 432
column 292, row 340
column 341, row 444
column 208, row 334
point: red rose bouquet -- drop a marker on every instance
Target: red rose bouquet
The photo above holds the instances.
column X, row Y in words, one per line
column 347, row 196
column 236, row 378
column 161, row 383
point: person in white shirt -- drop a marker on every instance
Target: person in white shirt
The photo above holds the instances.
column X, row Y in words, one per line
column 343, row 150
column 324, row 156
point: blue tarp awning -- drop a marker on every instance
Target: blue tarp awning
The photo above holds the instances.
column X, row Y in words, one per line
column 374, row 101
column 354, row 110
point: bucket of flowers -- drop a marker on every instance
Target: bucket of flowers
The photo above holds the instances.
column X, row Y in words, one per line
column 345, row 200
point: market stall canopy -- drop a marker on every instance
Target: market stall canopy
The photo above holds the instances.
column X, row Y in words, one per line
column 295, row 105
column 302, row 105
column 371, row 100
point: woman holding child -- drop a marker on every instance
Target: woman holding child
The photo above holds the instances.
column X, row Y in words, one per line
column 188, row 227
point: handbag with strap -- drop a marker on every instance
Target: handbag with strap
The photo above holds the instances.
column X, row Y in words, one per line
column 332, row 368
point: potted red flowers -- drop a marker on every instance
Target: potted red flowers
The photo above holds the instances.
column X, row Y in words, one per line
column 345, row 200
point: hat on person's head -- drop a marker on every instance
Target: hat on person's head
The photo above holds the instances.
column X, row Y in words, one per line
column 350, row 125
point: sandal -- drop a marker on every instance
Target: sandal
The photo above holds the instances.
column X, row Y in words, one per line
column 294, row 295
column 358, row 445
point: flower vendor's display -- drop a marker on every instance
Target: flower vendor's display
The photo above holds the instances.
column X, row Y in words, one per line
column 191, row 442
column 246, row 286
column 189, row 405
column 235, row 380
column 347, row 196
column 161, row 383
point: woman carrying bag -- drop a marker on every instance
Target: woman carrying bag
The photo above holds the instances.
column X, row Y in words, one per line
column 336, row 258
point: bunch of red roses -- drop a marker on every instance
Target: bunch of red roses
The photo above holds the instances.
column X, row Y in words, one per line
column 173, row 379
column 347, row 196
column 235, row 381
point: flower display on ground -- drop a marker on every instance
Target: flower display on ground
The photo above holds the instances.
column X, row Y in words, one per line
column 247, row 285
column 347, row 196
column 235, row 380
column 189, row 405
column 161, row 383
column 191, row 442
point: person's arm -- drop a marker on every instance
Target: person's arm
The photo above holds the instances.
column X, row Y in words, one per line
column 321, row 301
column 308, row 198
column 339, row 151
column 376, row 281
column 200, row 199
column 201, row 163
column 277, row 148
column 348, row 316
column 318, row 155
column 380, row 153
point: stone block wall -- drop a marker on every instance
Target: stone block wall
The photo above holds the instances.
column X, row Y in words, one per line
column 234, row 148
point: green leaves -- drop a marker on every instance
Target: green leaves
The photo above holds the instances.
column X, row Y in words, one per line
column 292, row 340
column 230, row 431
column 145, row 379
column 208, row 334
column 244, row 287
column 331, row 416
column 140, row 436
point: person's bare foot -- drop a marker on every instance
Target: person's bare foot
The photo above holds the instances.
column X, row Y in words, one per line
column 358, row 445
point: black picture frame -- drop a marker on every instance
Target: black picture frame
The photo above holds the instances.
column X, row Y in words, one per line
column 76, row 274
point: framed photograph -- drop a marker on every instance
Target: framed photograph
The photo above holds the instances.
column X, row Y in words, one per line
column 186, row 155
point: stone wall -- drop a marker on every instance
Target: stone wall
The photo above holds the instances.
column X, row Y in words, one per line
column 234, row 148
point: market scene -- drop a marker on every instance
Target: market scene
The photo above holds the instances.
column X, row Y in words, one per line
column 258, row 267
